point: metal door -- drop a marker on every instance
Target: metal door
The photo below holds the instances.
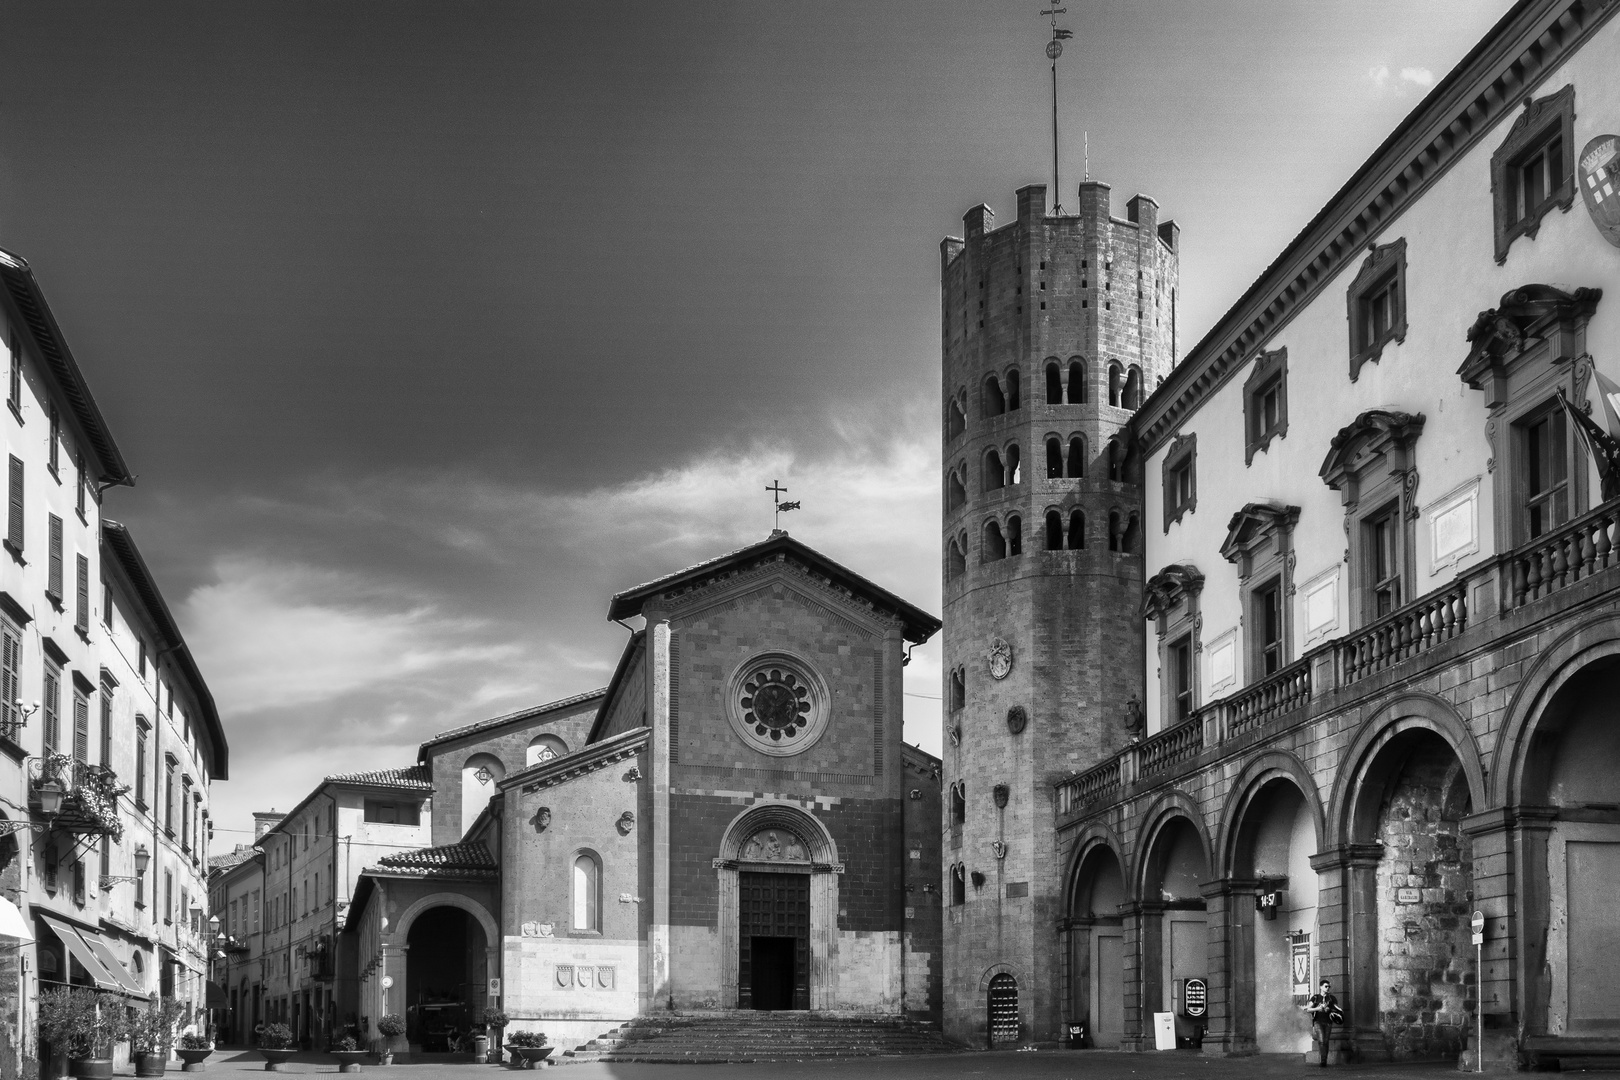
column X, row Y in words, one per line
column 773, row 905
column 1003, row 1009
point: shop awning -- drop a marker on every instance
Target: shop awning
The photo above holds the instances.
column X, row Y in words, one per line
column 114, row 966
column 13, row 925
column 81, row 952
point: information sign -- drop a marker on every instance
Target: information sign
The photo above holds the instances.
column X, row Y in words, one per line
column 1195, row 1001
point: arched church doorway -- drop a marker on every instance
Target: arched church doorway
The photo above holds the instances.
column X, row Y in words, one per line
column 446, row 973
column 774, row 941
column 1414, row 972
column 1002, row 1005
column 1570, row 768
column 1097, row 947
column 1175, row 938
column 1273, row 956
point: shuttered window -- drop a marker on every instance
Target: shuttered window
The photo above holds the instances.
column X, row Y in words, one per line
column 54, row 453
column 10, row 674
column 82, row 617
column 106, row 725
column 14, row 388
column 53, row 708
column 84, row 484
column 81, row 726
column 14, row 510
column 53, row 578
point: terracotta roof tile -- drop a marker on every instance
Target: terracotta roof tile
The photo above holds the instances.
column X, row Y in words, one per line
column 411, row 776
column 507, row 718
column 450, row 858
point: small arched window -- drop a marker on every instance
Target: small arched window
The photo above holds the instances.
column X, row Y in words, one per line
column 994, row 403
column 1015, row 535
column 544, row 748
column 1054, row 458
column 1113, row 530
column 955, row 491
column 1054, row 531
column 1116, row 460
column 1116, row 383
column 958, row 689
column 1127, row 541
column 1015, row 471
column 1054, row 383
column 955, row 420
column 587, row 893
column 1013, row 395
column 1133, row 388
column 958, row 885
column 1077, row 530
column 995, row 474
column 1077, row 457
column 956, row 561
column 1077, row 382
column 959, row 802
column 995, row 545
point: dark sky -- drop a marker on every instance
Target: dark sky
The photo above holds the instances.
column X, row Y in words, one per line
column 428, row 326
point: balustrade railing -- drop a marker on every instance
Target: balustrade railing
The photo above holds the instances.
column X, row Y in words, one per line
column 1169, row 747
column 1080, row 791
column 1252, row 706
column 1558, row 559
column 1404, row 633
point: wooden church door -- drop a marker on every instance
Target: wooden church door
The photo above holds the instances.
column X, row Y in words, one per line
column 773, row 955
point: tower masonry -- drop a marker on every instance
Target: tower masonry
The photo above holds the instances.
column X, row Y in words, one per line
column 1055, row 327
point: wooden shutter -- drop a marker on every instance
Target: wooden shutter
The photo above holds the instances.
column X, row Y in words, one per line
column 53, row 705
column 81, row 727
column 53, row 581
column 83, row 619
column 106, row 725
column 14, row 511
column 10, row 662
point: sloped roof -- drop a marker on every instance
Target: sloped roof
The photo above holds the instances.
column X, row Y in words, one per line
column 410, row 776
column 462, row 860
column 509, row 718
column 919, row 625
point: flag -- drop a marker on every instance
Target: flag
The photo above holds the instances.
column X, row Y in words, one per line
column 1610, row 393
column 1605, row 448
column 794, row 505
column 1060, row 34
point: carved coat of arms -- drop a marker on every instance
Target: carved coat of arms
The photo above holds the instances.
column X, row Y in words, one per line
column 1597, row 173
column 1000, row 657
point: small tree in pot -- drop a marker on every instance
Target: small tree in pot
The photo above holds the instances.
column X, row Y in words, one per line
column 83, row 1027
column 496, row 1021
column 150, row 1035
column 194, row 1048
column 392, row 1029
column 276, row 1044
column 528, row 1047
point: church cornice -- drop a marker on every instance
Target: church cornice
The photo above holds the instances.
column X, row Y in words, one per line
column 592, row 758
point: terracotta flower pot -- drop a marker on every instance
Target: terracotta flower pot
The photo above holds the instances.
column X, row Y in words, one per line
column 349, row 1061
column 530, row 1056
column 194, row 1058
column 276, row 1059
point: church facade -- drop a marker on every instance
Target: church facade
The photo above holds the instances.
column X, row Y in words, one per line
column 733, row 822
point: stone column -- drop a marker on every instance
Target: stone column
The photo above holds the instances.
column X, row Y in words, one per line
column 658, row 991
column 824, row 935
column 1229, row 905
column 1144, row 985
column 1347, row 944
column 1511, row 889
column 1074, row 945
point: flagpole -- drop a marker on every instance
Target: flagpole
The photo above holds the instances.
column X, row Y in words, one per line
column 1054, row 49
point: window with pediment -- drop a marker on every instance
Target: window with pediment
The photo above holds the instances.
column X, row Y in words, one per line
column 1523, row 354
column 1372, row 464
column 1260, row 543
column 1265, row 402
column 1180, row 474
column 1533, row 170
column 1170, row 598
column 1377, row 304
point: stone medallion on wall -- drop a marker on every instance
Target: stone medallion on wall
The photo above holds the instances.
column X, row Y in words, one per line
column 777, row 704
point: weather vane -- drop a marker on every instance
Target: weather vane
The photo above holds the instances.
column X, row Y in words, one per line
column 1054, row 49
column 777, row 491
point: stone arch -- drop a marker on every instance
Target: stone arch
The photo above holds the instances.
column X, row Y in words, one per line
column 1408, row 712
column 492, row 933
column 1096, row 835
column 779, row 815
column 1172, row 804
column 1580, row 646
column 1260, row 771
column 1000, row 969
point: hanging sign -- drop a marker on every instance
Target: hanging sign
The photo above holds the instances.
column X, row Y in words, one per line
column 1597, row 174
column 1195, row 999
column 1300, row 962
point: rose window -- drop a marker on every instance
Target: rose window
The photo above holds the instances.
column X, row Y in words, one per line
column 778, row 704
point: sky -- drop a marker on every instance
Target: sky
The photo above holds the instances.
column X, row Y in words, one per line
column 427, row 327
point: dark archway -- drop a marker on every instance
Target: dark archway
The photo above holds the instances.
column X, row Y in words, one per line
column 1097, row 946
column 445, row 976
column 1174, row 931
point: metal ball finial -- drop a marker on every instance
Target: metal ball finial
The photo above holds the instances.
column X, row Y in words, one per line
column 1054, row 49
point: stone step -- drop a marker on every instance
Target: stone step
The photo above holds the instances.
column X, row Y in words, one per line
column 746, row 1036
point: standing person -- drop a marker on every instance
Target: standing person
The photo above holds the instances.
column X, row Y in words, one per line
column 1324, row 1011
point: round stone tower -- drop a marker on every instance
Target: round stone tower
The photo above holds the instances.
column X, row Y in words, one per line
column 1055, row 328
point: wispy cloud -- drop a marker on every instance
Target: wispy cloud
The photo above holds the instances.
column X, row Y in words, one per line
column 1402, row 82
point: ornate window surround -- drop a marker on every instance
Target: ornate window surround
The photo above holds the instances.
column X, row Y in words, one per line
column 1540, row 120
column 1266, row 367
column 817, row 698
column 1170, row 598
column 1183, row 451
column 1260, row 542
column 1385, row 263
column 1372, row 463
column 1522, row 353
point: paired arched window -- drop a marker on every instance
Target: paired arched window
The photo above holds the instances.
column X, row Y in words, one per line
column 1015, row 535
column 1077, row 530
column 1014, row 466
column 995, row 545
column 1054, row 457
column 544, row 748
column 1054, row 383
column 587, row 892
column 1113, row 530
column 956, row 489
column 1116, row 384
column 995, row 403
column 1133, row 388
column 955, row 419
column 1077, row 382
column 1054, row 531
column 1116, row 460
column 955, row 560
column 1077, row 457
column 994, row 473
column 1013, row 395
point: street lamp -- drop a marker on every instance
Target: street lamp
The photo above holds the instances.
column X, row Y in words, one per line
column 143, row 859
column 51, row 795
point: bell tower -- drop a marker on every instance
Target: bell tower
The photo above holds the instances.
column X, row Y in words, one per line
column 1055, row 327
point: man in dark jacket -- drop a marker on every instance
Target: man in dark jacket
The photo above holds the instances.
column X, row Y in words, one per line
column 1324, row 1012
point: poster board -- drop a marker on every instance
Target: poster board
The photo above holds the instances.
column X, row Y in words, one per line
column 1164, row 1031
column 1300, row 963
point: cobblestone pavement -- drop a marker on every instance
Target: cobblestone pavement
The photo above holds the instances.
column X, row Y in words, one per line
column 1038, row 1065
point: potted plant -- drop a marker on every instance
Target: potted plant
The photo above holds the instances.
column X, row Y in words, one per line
column 83, row 1027
column 276, row 1044
column 392, row 1028
column 347, row 1050
column 528, row 1048
column 193, row 1049
column 150, row 1034
column 496, row 1021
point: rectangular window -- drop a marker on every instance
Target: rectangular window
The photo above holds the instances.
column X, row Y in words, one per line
column 1546, row 471
column 14, row 388
column 381, row 812
column 141, row 662
column 106, row 856
column 1181, row 679
column 106, row 605
column 141, row 730
column 106, row 725
column 78, row 882
column 1539, row 175
column 140, row 890
column 52, row 708
column 255, row 911
column 168, row 897
column 1180, row 479
column 10, row 673
column 14, row 508
column 53, row 452
column 168, row 800
column 1531, row 171
column 1376, row 303
column 1269, row 624
column 81, row 726
column 84, row 484
column 185, row 814
column 1378, row 308
column 1382, row 544
column 81, row 619
column 53, row 576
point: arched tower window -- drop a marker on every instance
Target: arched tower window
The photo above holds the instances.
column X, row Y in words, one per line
column 587, row 892
column 995, row 474
column 959, row 802
column 1054, row 458
column 994, row 403
column 1054, row 531
column 958, row 689
column 955, row 419
column 1116, row 460
column 995, row 545
column 1013, row 395
column 1133, row 388
column 1113, row 530
column 956, row 561
column 1015, row 471
column 1015, row 535
column 1054, row 383
column 1077, row 530
column 955, row 491
column 1077, row 457
column 1077, row 382
column 958, row 885
column 1116, row 383
column 1127, row 540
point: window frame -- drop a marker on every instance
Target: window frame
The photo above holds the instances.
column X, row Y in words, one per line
column 1372, row 463
column 1171, row 598
column 1181, row 457
column 1543, row 120
column 591, row 902
column 1383, row 270
column 1270, row 369
column 1260, row 543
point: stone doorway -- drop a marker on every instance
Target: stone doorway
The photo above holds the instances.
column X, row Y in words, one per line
column 1003, row 1009
column 773, row 930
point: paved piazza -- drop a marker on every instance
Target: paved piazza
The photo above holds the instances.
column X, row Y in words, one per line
column 1040, row 1065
